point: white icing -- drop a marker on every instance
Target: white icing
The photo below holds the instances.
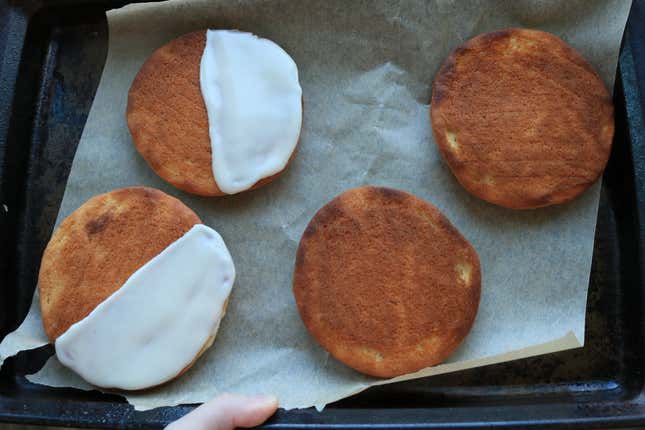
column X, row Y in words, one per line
column 254, row 103
column 157, row 322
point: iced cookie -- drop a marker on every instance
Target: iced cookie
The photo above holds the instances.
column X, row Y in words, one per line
column 216, row 112
column 132, row 288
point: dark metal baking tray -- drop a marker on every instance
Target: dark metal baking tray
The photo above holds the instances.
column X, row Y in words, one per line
column 51, row 57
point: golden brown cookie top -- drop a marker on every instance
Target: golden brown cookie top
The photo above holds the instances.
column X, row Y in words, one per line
column 167, row 117
column 385, row 283
column 522, row 119
column 99, row 245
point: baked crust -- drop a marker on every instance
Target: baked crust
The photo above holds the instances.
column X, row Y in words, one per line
column 385, row 283
column 522, row 119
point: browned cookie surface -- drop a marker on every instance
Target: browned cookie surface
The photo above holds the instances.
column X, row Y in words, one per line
column 385, row 283
column 522, row 119
column 167, row 117
column 96, row 249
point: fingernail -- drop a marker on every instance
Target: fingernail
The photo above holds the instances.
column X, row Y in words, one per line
column 266, row 399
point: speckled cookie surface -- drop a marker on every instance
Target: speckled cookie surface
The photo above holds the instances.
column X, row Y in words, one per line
column 522, row 119
column 385, row 283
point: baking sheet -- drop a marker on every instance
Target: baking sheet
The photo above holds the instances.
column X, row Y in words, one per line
column 366, row 70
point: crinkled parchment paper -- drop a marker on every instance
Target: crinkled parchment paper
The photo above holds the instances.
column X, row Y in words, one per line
column 366, row 69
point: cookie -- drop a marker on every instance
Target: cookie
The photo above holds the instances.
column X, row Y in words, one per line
column 385, row 283
column 100, row 245
column 124, row 276
column 169, row 122
column 522, row 119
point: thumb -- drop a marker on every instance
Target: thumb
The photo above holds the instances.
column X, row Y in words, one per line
column 228, row 411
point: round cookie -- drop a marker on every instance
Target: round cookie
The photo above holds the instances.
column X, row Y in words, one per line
column 168, row 121
column 522, row 119
column 385, row 283
column 100, row 245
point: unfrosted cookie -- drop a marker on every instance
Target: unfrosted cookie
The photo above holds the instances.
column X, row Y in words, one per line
column 385, row 283
column 522, row 119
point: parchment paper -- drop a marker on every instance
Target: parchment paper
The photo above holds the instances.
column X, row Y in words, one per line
column 366, row 69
